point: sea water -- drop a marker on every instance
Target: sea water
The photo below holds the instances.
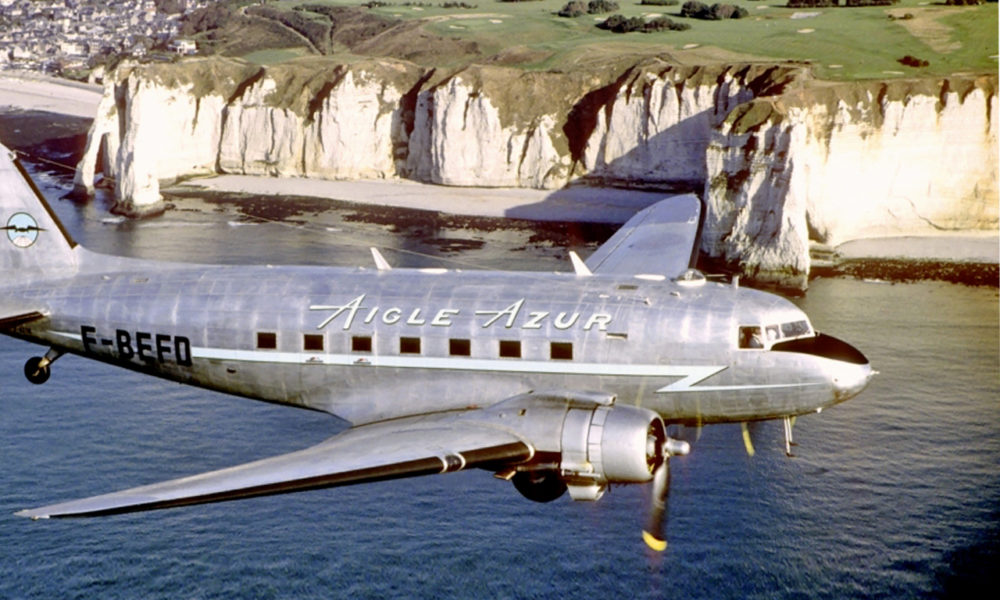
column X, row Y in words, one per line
column 894, row 494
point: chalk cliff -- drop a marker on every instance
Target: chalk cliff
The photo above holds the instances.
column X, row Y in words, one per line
column 782, row 160
column 832, row 163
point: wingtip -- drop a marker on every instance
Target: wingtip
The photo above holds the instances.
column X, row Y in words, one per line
column 30, row 514
column 654, row 543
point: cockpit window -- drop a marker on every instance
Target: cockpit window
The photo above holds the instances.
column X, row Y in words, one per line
column 757, row 337
column 750, row 337
column 795, row 329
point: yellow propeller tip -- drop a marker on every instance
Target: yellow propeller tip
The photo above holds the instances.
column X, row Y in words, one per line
column 654, row 542
column 747, row 442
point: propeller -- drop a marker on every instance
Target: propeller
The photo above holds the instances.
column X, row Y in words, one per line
column 747, row 442
column 654, row 533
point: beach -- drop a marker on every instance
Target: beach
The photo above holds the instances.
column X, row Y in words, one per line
column 30, row 91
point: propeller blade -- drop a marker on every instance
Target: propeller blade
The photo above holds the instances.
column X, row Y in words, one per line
column 653, row 534
column 747, row 442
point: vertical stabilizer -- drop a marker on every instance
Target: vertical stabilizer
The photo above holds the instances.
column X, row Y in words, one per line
column 32, row 240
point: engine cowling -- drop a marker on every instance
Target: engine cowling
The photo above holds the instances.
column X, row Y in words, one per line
column 582, row 441
column 609, row 444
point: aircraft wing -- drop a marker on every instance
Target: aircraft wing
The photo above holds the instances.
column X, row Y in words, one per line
column 388, row 450
column 658, row 240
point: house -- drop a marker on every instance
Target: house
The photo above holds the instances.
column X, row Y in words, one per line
column 184, row 47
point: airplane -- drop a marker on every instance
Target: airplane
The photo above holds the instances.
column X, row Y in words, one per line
column 556, row 381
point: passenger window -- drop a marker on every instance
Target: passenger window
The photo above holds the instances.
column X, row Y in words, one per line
column 750, row 337
column 312, row 342
column 510, row 349
column 267, row 340
column 458, row 347
column 561, row 351
column 409, row 345
column 773, row 333
column 361, row 343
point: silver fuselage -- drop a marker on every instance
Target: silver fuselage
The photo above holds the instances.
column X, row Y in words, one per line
column 369, row 345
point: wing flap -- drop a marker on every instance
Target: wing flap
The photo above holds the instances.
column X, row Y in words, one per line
column 659, row 240
column 382, row 451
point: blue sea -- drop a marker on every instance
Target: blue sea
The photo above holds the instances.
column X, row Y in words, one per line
column 894, row 494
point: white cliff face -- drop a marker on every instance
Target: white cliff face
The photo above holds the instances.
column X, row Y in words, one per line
column 168, row 133
column 833, row 172
column 459, row 139
column 751, row 216
column 355, row 131
column 783, row 162
column 258, row 139
column 103, row 133
column 660, row 126
column 350, row 134
column 153, row 132
column 930, row 166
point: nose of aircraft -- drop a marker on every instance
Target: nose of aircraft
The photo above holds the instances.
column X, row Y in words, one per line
column 850, row 378
column 847, row 369
column 850, row 371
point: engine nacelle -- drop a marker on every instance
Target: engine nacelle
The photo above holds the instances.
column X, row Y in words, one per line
column 582, row 441
column 609, row 444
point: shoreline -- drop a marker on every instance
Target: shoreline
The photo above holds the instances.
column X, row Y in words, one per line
column 33, row 91
column 575, row 203
column 583, row 204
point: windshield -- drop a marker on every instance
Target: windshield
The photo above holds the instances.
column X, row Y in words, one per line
column 759, row 337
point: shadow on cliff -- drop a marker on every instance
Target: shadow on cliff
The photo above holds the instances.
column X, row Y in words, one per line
column 616, row 190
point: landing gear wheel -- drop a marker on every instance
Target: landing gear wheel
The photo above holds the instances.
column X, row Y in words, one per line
column 35, row 372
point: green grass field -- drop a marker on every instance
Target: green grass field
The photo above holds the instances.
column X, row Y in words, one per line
column 841, row 43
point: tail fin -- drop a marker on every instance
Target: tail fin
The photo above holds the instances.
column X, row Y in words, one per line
column 32, row 240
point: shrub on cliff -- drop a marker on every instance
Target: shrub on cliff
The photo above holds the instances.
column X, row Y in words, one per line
column 913, row 61
column 577, row 8
column 573, row 9
column 717, row 12
column 622, row 24
column 664, row 24
column 210, row 17
column 599, row 7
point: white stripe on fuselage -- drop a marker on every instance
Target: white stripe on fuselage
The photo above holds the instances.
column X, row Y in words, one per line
column 690, row 375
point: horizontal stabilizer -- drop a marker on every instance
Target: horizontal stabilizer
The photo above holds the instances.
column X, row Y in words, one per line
column 658, row 240
column 381, row 451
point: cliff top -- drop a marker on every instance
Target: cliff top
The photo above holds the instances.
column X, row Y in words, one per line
column 910, row 38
